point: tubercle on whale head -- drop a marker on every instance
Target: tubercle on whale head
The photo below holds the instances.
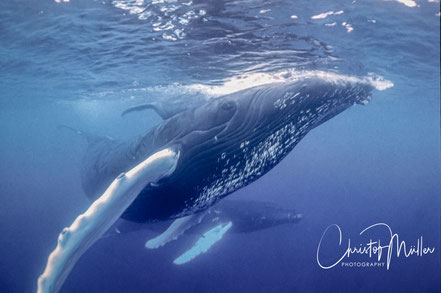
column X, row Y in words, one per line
column 278, row 217
column 364, row 101
column 295, row 218
column 288, row 216
column 345, row 92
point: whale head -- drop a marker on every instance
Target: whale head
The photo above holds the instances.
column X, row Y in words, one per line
column 304, row 103
column 249, row 216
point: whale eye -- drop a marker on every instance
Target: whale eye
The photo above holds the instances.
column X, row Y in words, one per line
column 227, row 105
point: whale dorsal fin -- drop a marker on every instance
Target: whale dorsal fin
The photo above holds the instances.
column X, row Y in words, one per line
column 176, row 229
column 169, row 107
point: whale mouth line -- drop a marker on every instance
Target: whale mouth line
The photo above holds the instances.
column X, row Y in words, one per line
column 378, row 82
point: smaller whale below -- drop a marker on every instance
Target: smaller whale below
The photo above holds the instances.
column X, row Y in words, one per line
column 240, row 216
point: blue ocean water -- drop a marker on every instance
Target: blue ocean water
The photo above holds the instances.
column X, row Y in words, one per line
column 81, row 63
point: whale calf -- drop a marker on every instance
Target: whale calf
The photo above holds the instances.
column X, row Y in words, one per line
column 245, row 216
column 225, row 143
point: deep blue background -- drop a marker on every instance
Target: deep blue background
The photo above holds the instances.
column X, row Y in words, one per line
column 82, row 63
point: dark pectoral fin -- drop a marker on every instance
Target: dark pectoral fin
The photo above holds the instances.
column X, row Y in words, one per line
column 169, row 107
column 90, row 138
column 162, row 109
column 143, row 107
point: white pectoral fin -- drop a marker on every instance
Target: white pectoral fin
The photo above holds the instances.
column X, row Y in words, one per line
column 176, row 229
column 204, row 243
column 100, row 216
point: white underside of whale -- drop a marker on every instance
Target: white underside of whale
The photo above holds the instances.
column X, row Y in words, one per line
column 180, row 226
column 204, row 243
column 176, row 229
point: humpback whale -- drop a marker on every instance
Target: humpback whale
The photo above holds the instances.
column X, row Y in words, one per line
column 225, row 144
column 194, row 158
column 245, row 216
